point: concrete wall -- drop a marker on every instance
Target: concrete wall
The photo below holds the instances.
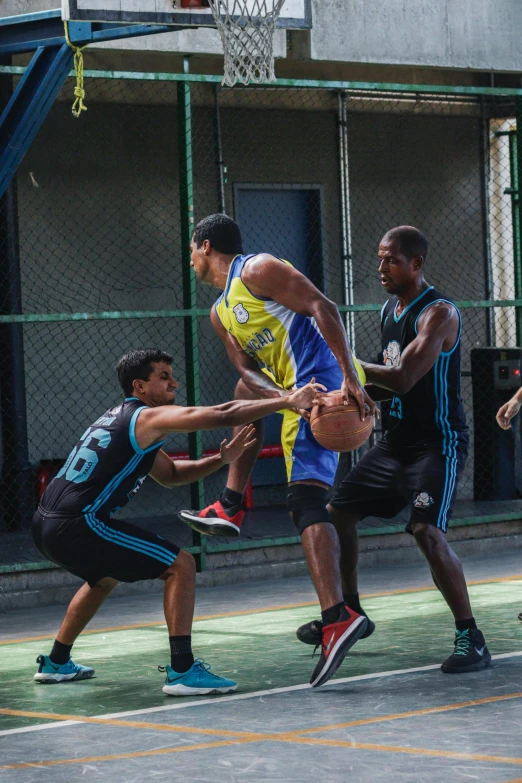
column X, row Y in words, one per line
column 461, row 34
column 476, row 34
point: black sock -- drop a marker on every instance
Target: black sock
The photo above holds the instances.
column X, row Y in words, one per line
column 352, row 601
column 60, row 652
column 463, row 625
column 231, row 500
column 181, row 658
column 333, row 614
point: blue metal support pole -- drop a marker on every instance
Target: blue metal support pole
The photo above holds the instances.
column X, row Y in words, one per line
column 29, row 105
column 44, row 33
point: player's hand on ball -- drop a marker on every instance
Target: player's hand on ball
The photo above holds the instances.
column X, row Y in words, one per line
column 233, row 450
column 305, row 397
column 351, row 387
column 507, row 412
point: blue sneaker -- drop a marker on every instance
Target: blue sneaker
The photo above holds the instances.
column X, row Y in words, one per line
column 65, row 672
column 198, row 681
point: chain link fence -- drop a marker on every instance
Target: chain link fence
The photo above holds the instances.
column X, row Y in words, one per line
column 93, row 244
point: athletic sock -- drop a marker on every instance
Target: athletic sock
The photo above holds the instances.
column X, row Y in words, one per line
column 463, row 625
column 231, row 501
column 352, row 601
column 60, row 652
column 181, row 658
column 333, row 614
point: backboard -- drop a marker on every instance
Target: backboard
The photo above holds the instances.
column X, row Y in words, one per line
column 295, row 14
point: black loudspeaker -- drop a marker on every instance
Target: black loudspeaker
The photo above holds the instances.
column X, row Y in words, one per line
column 495, row 376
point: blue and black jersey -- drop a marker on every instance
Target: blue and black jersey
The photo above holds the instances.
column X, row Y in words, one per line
column 432, row 411
column 105, row 469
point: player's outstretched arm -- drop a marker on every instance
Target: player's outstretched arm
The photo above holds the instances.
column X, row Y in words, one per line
column 170, row 473
column 509, row 410
column 154, row 424
column 438, row 330
column 265, row 275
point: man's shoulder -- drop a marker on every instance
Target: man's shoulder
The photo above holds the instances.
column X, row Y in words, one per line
column 439, row 310
column 257, row 261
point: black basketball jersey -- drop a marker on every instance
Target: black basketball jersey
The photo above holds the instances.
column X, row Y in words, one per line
column 105, row 469
column 432, row 410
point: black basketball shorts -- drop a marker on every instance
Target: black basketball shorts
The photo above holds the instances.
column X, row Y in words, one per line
column 389, row 477
column 94, row 548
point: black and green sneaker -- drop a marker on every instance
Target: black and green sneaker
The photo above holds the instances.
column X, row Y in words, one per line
column 312, row 633
column 470, row 654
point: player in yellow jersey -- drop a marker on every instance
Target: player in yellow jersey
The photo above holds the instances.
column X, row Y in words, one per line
column 280, row 331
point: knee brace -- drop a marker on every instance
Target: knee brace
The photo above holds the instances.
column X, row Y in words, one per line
column 307, row 504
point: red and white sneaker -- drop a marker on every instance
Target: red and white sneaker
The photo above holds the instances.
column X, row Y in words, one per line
column 337, row 639
column 214, row 520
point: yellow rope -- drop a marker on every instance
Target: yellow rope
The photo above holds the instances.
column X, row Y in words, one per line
column 78, row 105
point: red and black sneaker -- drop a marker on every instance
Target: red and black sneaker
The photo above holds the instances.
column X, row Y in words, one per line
column 336, row 640
column 214, row 520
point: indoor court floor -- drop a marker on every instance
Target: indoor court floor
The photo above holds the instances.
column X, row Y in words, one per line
column 388, row 715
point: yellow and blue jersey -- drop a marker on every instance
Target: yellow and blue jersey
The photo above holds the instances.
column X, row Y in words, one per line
column 288, row 345
column 291, row 349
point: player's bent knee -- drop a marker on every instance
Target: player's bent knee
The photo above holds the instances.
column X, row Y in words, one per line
column 428, row 536
column 106, row 585
column 307, row 504
column 186, row 562
column 184, row 565
column 341, row 518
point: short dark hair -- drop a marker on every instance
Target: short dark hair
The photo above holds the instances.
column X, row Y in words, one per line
column 412, row 242
column 222, row 232
column 138, row 364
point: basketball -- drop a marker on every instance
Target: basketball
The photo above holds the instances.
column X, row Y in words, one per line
column 337, row 426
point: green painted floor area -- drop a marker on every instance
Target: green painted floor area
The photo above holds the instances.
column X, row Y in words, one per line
column 259, row 651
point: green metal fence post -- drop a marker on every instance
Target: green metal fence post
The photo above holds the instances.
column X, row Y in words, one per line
column 515, row 146
column 197, row 496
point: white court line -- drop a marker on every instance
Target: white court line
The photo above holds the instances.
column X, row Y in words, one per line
column 237, row 697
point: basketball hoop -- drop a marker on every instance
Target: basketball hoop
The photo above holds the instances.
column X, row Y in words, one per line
column 247, row 29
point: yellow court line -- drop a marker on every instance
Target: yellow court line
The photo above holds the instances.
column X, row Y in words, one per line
column 164, row 622
column 448, row 754
column 118, row 756
column 137, row 724
column 240, row 613
column 258, row 735
column 284, row 738
column 413, row 714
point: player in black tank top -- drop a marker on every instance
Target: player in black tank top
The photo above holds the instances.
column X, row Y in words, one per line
column 431, row 411
column 424, row 448
column 75, row 528
column 105, row 469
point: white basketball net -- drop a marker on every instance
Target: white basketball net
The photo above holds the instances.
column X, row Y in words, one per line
column 247, row 32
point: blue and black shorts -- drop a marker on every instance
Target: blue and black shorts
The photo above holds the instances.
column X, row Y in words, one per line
column 390, row 477
column 94, row 548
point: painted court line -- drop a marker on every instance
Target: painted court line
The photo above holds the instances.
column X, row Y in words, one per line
column 170, row 727
column 294, row 737
column 239, row 613
column 290, row 688
column 156, row 623
column 226, row 699
column 447, row 754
